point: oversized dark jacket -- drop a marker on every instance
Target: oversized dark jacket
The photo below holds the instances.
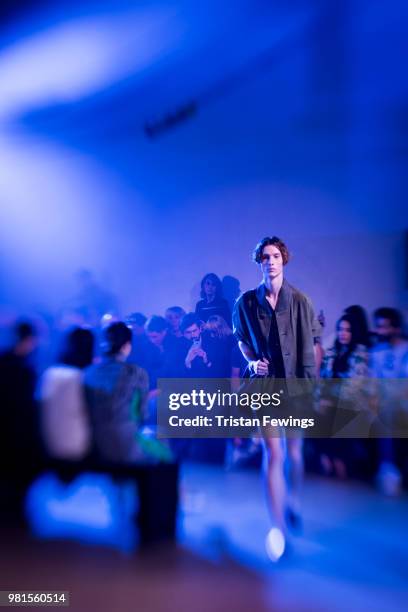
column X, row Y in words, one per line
column 297, row 326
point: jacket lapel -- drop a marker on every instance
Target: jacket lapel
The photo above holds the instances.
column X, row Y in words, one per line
column 263, row 311
column 281, row 310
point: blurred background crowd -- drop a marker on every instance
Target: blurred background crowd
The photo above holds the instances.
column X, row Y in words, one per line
column 80, row 394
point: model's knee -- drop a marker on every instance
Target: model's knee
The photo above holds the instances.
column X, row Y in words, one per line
column 273, row 453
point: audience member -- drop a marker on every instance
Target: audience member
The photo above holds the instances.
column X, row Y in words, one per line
column 64, row 418
column 389, row 359
column 359, row 319
column 162, row 350
column 116, row 394
column 224, row 343
column 231, row 290
column 199, row 357
column 345, row 359
column 19, row 436
column 212, row 301
column 173, row 315
column 140, row 342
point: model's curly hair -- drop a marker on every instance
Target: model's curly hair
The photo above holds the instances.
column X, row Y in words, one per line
column 275, row 241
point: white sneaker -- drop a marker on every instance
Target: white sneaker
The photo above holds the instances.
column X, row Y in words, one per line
column 275, row 544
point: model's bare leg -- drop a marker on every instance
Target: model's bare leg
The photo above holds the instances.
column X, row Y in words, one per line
column 274, row 459
column 295, row 472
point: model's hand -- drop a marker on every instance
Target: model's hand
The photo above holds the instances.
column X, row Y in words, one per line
column 260, row 367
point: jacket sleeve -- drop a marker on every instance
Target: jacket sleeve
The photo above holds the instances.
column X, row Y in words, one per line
column 240, row 324
column 310, row 330
column 316, row 327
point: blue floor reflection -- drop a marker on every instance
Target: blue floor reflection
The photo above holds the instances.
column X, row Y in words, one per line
column 352, row 555
column 91, row 509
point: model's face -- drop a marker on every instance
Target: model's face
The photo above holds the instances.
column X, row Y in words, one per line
column 209, row 288
column 344, row 333
column 271, row 262
column 193, row 332
column 173, row 319
column 385, row 330
column 156, row 338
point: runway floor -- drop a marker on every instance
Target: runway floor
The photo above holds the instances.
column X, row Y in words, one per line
column 353, row 554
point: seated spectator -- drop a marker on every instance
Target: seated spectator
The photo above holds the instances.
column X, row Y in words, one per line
column 19, row 436
column 359, row 319
column 389, row 356
column 157, row 330
column 116, row 391
column 218, row 327
column 199, row 355
column 64, row 418
column 116, row 394
column 224, row 345
column 160, row 350
column 360, row 323
column 231, row 290
column 173, row 315
column 345, row 359
column 212, row 302
column 140, row 342
column 389, row 359
column 204, row 355
column 136, row 321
